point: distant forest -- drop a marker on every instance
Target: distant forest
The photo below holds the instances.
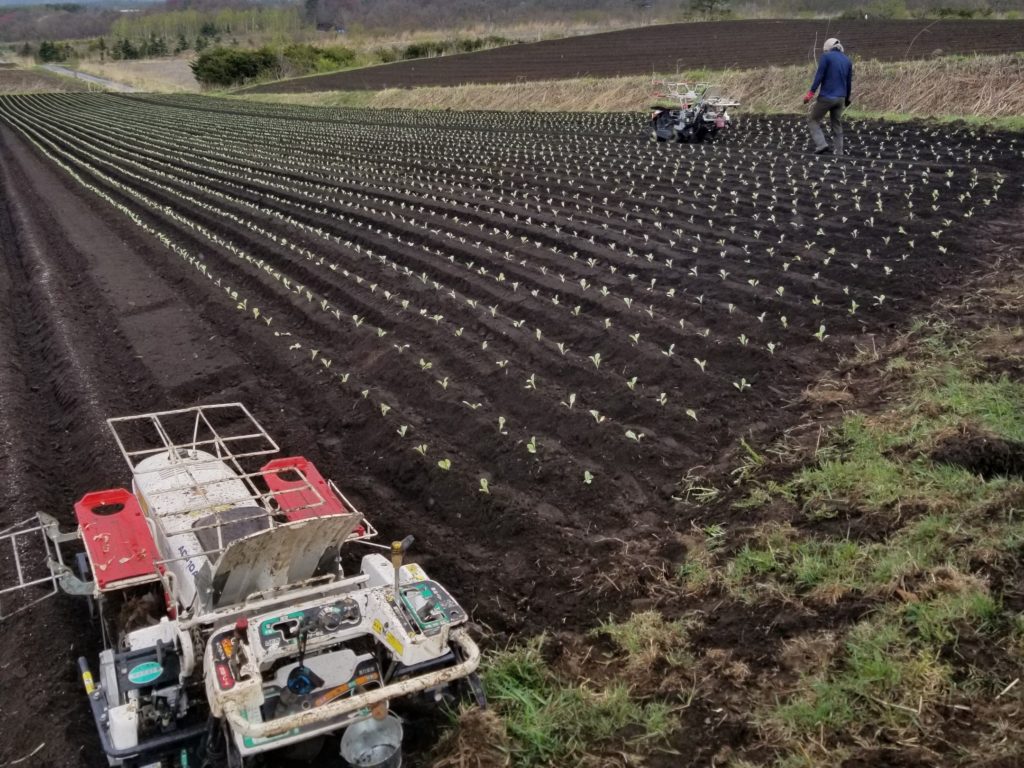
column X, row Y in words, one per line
column 78, row 21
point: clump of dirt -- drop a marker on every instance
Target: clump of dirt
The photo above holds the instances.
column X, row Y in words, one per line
column 983, row 454
column 706, row 735
column 478, row 740
column 881, row 758
column 755, row 634
column 808, row 653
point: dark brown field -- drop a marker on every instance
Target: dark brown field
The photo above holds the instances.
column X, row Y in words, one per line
column 579, row 322
column 673, row 47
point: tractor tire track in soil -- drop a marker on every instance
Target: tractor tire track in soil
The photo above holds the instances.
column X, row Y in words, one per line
column 51, row 420
column 669, row 48
column 116, row 310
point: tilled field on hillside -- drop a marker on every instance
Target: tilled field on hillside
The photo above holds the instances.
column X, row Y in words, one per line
column 37, row 80
column 676, row 47
column 520, row 337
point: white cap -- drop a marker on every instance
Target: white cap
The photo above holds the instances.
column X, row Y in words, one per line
column 832, row 43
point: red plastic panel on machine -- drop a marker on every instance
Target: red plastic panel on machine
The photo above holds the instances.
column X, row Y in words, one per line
column 120, row 546
column 296, row 497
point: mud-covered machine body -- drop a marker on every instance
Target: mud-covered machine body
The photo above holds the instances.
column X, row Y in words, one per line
column 246, row 613
column 689, row 112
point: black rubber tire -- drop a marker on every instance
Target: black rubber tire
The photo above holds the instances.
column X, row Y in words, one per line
column 662, row 127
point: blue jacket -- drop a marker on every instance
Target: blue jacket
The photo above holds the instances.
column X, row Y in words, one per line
column 834, row 75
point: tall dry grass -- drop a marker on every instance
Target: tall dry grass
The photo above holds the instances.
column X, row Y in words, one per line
column 170, row 75
column 980, row 86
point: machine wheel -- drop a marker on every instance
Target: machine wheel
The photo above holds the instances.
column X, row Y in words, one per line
column 304, row 751
column 218, row 750
column 84, row 572
column 662, row 128
column 235, row 759
column 475, row 690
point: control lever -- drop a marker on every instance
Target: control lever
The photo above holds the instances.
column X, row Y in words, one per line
column 426, row 611
column 398, row 550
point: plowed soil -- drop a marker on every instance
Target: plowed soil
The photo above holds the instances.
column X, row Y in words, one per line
column 676, row 47
column 36, row 81
column 501, row 291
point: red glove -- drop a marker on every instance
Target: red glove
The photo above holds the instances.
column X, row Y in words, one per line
column 808, row 97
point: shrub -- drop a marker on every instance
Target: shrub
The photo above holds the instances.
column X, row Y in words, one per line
column 428, row 48
column 226, row 66
column 302, row 58
column 424, row 49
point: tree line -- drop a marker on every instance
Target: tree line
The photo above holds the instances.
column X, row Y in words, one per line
column 225, row 67
column 192, row 23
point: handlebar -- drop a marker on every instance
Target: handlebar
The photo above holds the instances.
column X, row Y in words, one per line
column 364, row 700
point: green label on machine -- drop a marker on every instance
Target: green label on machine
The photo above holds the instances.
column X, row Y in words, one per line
column 146, row 672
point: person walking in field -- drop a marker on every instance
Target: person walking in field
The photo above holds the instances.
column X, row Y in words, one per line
column 835, row 79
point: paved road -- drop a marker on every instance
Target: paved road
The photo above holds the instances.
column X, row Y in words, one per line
column 89, row 78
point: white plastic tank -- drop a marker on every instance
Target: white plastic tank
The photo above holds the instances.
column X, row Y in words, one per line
column 123, row 722
column 175, row 492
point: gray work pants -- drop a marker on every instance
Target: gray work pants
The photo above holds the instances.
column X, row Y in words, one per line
column 834, row 109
